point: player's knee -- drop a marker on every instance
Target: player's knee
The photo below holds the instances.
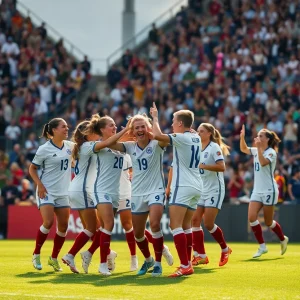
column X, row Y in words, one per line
column 155, row 225
column 268, row 222
column 196, row 221
column 48, row 223
column 62, row 227
column 127, row 225
column 209, row 225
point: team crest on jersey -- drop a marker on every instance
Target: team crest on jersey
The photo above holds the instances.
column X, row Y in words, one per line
column 106, row 197
column 109, row 150
column 218, row 153
column 205, row 154
column 149, row 150
column 92, row 203
column 69, row 151
column 271, row 155
column 132, row 206
column 54, row 155
column 134, row 154
column 174, row 134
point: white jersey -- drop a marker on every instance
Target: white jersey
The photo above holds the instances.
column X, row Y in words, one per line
column 186, row 160
column 109, row 168
column 211, row 180
column 147, row 169
column 264, row 181
column 125, row 183
column 85, row 169
column 55, row 166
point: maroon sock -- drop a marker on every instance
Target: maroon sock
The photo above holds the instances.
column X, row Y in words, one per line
column 158, row 245
column 104, row 245
column 39, row 241
column 144, row 247
column 256, row 228
column 189, row 243
column 181, row 245
column 131, row 242
column 276, row 228
column 198, row 241
column 81, row 239
column 149, row 236
column 219, row 237
column 58, row 243
column 96, row 242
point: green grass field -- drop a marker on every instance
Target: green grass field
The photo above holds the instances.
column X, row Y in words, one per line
column 270, row 277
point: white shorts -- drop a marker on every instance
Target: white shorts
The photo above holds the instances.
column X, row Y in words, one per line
column 124, row 205
column 103, row 198
column 81, row 200
column 141, row 204
column 57, row 202
column 185, row 196
column 268, row 199
column 214, row 200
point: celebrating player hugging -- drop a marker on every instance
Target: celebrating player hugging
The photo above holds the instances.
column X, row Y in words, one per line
column 122, row 172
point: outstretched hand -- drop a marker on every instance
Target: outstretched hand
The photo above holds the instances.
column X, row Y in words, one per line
column 242, row 134
column 154, row 111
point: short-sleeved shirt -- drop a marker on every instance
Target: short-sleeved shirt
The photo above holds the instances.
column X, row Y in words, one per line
column 209, row 156
column 125, row 183
column 186, row 160
column 85, row 169
column 55, row 166
column 109, row 168
column 295, row 187
column 264, row 181
column 147, row 168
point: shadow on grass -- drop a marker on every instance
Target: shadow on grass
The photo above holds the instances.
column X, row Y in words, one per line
column 261, row 259
column 199, row 270
column 123, row 278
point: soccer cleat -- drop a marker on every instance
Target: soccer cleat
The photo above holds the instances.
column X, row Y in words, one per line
column 157, row 271
column 103, row 269
column 260, row 252
column 283, row 245
column 198, row 260
column 68, row 259
column 224, row 257
column 145, row 267
column 86, row 257
column 111, row 260
column 53, row 262
column 167, row 255
column 36, row 261
column 134, row 264
column 182, row 272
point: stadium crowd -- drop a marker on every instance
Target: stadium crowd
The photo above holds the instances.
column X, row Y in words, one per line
column 231, row 66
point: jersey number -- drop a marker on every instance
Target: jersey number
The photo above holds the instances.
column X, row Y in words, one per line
column 76, row 169
column 256, row 166
column 201, row 170
column 118, row 162
column 127, row 203
column 195, row 159
column 64, row 164
column 143, row 164
column 268, row 199
column 212, row 201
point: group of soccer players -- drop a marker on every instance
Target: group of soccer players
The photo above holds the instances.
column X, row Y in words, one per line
column 122, row 172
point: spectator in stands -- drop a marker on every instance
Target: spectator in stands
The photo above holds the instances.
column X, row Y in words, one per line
column 113, row 76
column 40, row 108
column 31, row 146
column 294, row 187
column 10, row 47
column 235, row 187
column 9, row 193
column 13, row 132
column 153, row 34
column 26, row 197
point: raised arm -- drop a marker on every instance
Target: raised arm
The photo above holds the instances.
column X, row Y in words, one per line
column 243, row 146
column 157, row 134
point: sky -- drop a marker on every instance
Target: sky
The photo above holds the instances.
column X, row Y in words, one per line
column 95, row 26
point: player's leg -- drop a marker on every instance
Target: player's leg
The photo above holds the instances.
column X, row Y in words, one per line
column 62, row 217
column 275, row 227
column 126, row 221
column 106, row 213
column 253, row 210
column 200, row 256
column 88, row 216
column 155, row 215
column 47, row 213
column 187, row 227
column 216, row 232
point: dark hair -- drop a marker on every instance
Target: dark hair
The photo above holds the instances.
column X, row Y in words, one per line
column 97, row 123
column 274, row 140
column 79, row 137
column 48, row 128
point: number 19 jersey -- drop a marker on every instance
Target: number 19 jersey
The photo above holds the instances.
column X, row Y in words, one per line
column 147, row 168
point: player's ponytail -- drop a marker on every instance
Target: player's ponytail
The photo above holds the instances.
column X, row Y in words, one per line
column 274, row 140
column 97, row 123
column 47, row 132
column 79, row 137
column 216, row 137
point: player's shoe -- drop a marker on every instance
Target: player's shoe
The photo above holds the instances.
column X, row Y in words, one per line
column 198, row 260
column 68, row 259
column 86, row 257
column 167, row 255
column 157, row 271
column 134, row 264
column 53, row 262
column 180, row 271
column 103, row 269
column 36, row 261
column 111, row 260
column 224, row 257
column 260, row 252
column 145, row 267
column 283, row 245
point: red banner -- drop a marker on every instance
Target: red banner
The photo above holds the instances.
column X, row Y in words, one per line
column 24, row 222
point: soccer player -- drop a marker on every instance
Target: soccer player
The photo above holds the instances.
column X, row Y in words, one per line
column 265, row 191
column 148, row 192
column 81, row 190
column 186, row 182
column 54, row 159
column 211, row 167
